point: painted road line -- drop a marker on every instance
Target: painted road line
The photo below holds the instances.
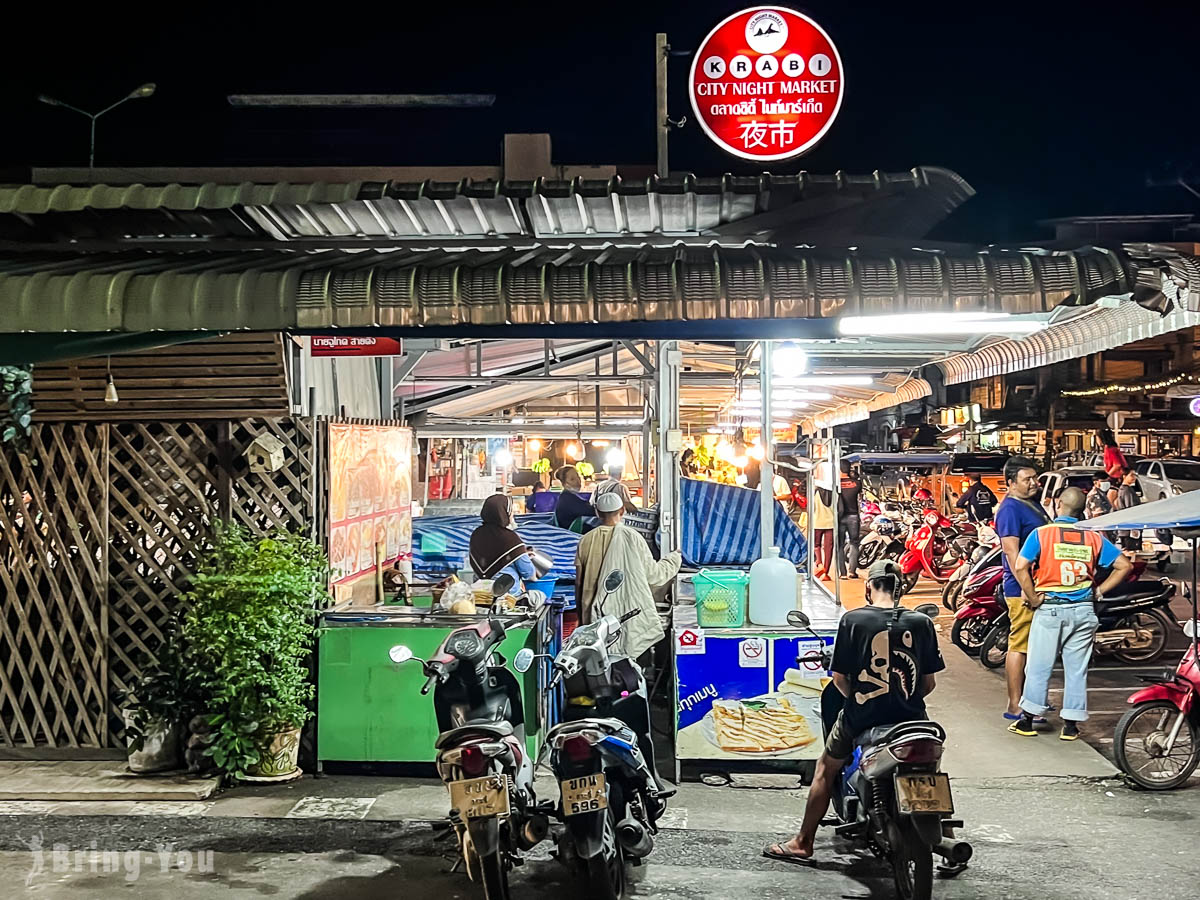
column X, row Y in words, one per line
column 1095, row 689
column 331, row 808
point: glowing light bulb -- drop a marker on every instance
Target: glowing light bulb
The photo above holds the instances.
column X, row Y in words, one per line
column 615, row 458
column 533, row 445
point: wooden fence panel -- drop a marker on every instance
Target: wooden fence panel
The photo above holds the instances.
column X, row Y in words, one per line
column 102, row 529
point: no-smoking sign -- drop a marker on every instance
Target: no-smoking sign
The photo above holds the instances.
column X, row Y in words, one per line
column 767, row 83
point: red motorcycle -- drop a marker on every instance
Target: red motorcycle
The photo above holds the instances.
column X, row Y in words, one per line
column 1157, row 743
column 936, row 549
column 983, row 606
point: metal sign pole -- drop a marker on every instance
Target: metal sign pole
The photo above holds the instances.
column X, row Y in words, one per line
column 835, row 465
column 660, row 106
column 766, row 488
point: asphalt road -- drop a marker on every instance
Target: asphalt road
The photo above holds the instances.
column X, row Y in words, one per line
column 1034, row 840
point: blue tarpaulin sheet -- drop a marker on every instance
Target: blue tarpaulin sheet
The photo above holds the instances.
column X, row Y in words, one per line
column 719, row 525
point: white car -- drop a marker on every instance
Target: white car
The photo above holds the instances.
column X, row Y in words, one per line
column 1162, row 478
column 1051, row 484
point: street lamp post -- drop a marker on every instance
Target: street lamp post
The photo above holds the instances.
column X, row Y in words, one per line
column 138, row 93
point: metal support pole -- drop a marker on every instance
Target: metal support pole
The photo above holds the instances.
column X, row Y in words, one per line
column 666, row 465
column 660, row 105
column 766, row 520
column 835, row 464
column 387, row 387
column 808, row 517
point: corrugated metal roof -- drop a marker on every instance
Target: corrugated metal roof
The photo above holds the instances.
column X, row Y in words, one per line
column 843, row 411
column 29, row 199
column 685, row 204
column 1095, row 331
column 548, row 291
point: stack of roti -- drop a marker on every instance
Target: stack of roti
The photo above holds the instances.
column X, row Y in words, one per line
column 760, row 726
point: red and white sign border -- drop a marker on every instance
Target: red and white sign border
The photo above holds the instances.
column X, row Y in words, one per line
column 777, row 156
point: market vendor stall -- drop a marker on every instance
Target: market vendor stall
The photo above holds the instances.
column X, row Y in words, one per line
column 370, row 709
column 742, row 697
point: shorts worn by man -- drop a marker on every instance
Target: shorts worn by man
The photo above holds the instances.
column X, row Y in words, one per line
column 1057, row 571
column 884, row 661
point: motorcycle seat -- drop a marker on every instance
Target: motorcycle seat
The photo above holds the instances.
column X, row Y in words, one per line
column 499, row 729
column 609, row 726
column 1133, row 590
column 882, row 734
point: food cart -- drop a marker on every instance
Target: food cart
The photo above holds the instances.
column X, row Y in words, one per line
column 742, row 698
column 370, row 709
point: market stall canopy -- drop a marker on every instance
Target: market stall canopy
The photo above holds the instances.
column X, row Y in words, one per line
column 1181, row 511
column 608, row 290
column 840, row 206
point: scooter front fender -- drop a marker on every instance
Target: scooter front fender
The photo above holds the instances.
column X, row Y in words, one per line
column 1177, row 694
column 911, row 561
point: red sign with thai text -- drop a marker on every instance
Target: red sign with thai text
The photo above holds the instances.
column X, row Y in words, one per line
column 336, row 345
column 767, row 83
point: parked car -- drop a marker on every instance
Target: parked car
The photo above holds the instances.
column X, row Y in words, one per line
column 1162, row 478
column 1096, row 458
column 1052, row 483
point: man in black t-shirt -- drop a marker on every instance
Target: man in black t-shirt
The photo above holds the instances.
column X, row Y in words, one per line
column 884, row 660
column 849, row 521
column 978, row 500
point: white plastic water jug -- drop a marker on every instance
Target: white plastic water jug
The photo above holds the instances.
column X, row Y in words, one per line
column 772, row 589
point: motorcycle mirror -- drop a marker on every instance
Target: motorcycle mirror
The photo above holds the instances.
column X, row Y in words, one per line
column 613, row 582
column 400, row 654
column 502, row 584
column 797, row 619
column 523, row 660
column 928, row 609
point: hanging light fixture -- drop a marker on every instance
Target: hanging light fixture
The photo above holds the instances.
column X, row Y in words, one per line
column 110, row 388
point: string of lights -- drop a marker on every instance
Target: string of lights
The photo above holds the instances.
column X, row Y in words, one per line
column 1131, row 388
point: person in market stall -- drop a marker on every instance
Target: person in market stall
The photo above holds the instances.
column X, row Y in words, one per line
column 495, row 546
column 849, row 521
column 1017, row 517
column 869, row 696
column 1097, row 503
column 614, row 546
column 1129, row 495
column 978, row 500
column 617, row 487
column 572, row 511
column 1057, row 573
column 823, row 525
column 1114, row 460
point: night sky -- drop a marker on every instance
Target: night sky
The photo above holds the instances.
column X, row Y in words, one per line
column 1047, row 109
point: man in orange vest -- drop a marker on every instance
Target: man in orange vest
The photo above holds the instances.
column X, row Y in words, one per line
column 1056, row 570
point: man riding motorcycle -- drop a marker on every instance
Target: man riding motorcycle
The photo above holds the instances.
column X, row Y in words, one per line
column 884, row 660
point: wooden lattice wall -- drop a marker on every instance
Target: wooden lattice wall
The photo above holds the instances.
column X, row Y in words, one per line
column 101, row 527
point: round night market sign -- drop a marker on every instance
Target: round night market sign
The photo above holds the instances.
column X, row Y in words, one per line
column 766, row 84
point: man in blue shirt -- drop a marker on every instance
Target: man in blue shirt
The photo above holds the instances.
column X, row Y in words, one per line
column 1016, row 518
column 1057, row 573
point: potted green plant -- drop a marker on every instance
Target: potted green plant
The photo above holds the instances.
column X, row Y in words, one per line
column 248, row 631
column 160, row 703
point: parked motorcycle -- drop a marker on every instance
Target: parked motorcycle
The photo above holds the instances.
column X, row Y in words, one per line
column 983, row 605
column 931, row 550
column 880, row 542
column 892, row 796
column 1157, row 742
column 986, row 541
column 1134, row 624
column 602, row 757
column 481, row 753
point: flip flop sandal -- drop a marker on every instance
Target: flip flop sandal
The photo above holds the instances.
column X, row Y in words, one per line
column 1013, row 717
column 776, row 852
column 1016, row 729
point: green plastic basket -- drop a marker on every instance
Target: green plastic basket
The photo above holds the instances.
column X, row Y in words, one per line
column 720, row 598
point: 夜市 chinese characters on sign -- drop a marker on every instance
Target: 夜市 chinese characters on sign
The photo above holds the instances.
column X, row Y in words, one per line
column 766, row 84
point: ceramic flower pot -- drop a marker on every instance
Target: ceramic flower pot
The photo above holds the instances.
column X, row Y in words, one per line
column 160, row 750
column 280, row 755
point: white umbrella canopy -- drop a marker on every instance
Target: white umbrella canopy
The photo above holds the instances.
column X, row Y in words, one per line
column 1181, row 511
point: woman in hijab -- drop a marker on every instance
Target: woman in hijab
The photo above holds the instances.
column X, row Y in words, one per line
column 496, row 547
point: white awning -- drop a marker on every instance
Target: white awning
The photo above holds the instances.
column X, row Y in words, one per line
column 1093, row 330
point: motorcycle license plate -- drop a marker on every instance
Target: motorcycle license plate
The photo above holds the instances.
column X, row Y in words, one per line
column 477, row 798
column 924, row 793
column 583, row 795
